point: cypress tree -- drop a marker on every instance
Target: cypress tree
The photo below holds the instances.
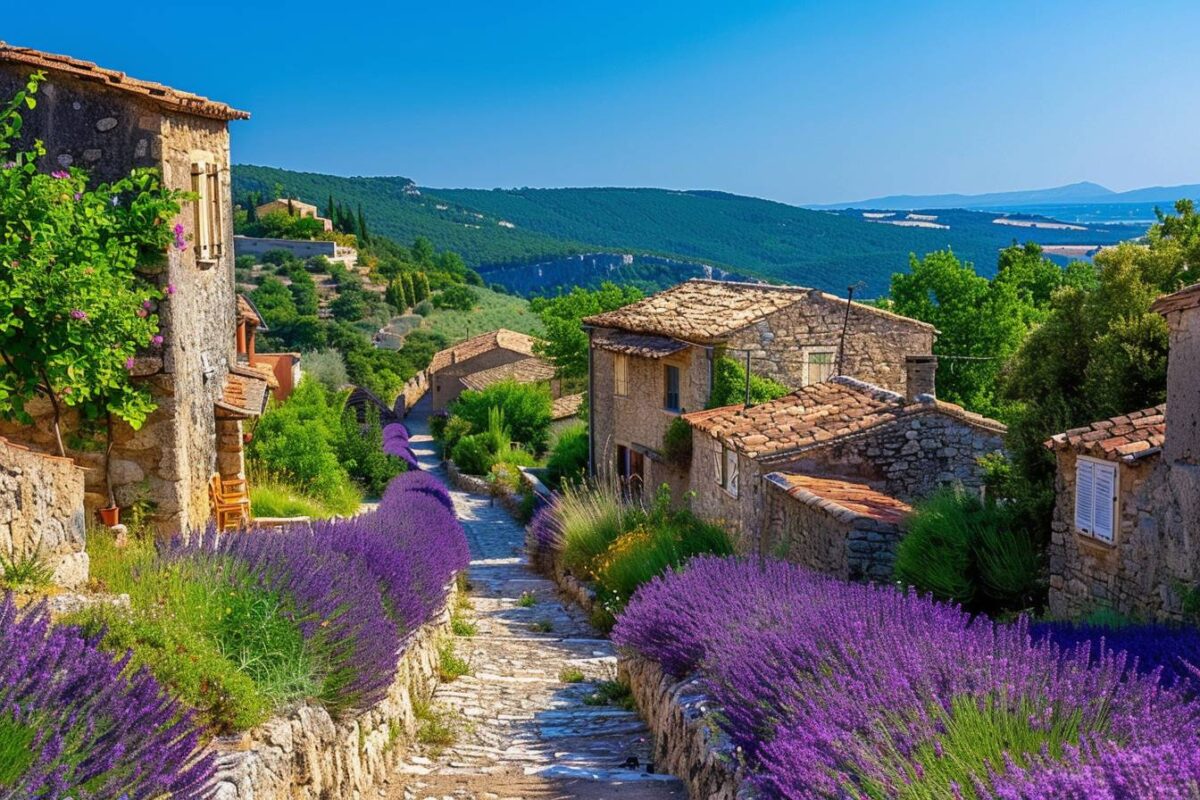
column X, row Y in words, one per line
column 409, row 291
column 362, row 225
column 330, row 209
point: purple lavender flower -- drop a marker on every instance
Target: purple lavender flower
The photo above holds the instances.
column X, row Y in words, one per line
column 180, row 242
column 97, row 729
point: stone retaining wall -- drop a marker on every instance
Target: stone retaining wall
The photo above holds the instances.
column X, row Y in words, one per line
column 687, row 742
column 307, row 755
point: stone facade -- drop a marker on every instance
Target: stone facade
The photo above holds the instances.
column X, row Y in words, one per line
column 41, row 512
column 1153, row 561
column 109, row 127
column 308, row 755
column 333, row 252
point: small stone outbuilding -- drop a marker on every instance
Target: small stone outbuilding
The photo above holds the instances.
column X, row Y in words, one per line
column 1126, row 529
column 482, row 360
column 108, row 123
column 653, row 360
column 824, row 475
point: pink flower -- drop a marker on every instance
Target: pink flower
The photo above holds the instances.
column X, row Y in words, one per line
column 180, row 242
column 156, row 341
column 170, row 288
column 146, row 304
column 60, row 174
column 143, row 313
column 129, row 362
column 78, row 314
column 78, row 196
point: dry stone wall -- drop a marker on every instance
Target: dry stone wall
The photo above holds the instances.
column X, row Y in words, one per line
column 41, row 512
column 307, row 755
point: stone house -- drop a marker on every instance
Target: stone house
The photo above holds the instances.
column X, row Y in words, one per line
column 294, row 208
column 482, row 360
column 653, row 360
column 109, row 123
column 825, row 475
column 1126, row 529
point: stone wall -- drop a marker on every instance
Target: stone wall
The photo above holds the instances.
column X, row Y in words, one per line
column 827, row 538
column 301, row 249
column 876, row 341
column 414, row 389
column 742, row 516
column 168, row 461
column 912, row 457
column 307, row 755
column 687, row 741
column 1153, row 560
column 638, row 417
column 41, row 512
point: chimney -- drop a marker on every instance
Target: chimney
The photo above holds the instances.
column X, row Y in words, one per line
column 1182, row 312
column 920, row 372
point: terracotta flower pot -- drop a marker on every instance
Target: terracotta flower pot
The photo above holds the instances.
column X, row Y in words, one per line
column 110, row 516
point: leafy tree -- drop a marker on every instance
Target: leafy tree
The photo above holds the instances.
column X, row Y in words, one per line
column 729, row 385
column 566, row 343
column 457, row 297
column 423, row 252
column 274, row 301
column 74, row 311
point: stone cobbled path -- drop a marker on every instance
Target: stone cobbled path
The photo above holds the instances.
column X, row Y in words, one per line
column 522, row 732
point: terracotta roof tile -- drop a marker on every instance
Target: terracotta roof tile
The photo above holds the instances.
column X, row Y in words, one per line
column 164, row 96
column 841, row 497
column 635, row 344
column 527, row 370
column 1128, row 437
column 706, row 311
column 1179, row 301
column 816, row 414
column 244, row 394
column 248, row 312
column 566, row 406
column 478, row 345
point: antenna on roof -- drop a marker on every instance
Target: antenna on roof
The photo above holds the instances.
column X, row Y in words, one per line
column 846, row 324
column 747, row 378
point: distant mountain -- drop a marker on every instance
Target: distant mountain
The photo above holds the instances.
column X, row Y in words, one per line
column 1083, row 193
column 530, row 240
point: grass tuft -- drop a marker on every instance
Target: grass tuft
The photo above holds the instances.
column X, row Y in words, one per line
column 527, row 600
column 541, row 626
column 571, row 675
column 451, row 666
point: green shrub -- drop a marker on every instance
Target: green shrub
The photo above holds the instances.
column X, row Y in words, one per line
column 568, row 461
column 274, row 498
column 526, row 409
column 456, row 297
column 473, row 454
column 454, row 429
column 729, row 385
column 360, row 450
column 591, row 520
column 24, row 573
column 963, row 549
column 327, row 367
column 677, row 443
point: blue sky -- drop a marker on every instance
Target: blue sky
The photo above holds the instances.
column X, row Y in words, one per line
column 799, row 102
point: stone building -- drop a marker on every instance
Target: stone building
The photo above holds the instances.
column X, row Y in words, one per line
column 482, row 360
column 653, row 360
column 1126, row 529
column 294, row 208
column 109, row 123
column 824, row 475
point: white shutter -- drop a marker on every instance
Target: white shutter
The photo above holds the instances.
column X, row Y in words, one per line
column 1104, row 491
column 718, row 462
column 1084, row 494
column 731, row 471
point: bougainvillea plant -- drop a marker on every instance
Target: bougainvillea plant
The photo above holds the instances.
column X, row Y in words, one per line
column 74, row 308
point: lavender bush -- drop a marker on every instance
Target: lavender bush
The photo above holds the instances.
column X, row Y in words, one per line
column 1174, row 651
column 395, row 443
column 75, row 723
column 847, row 691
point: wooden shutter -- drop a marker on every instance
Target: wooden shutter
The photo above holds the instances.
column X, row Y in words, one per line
column 731, row 471
column 1084, row 494
column 215, row 243
column 1104, row 493
column 200, row 228
column 620, row 374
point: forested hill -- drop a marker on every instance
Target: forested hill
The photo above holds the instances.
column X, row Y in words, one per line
column 747, row 235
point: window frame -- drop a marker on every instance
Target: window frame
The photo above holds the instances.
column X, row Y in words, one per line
column 1087, row 526
column 808, row 352
column 668, row 371
column 729, row 468
column 620, row 375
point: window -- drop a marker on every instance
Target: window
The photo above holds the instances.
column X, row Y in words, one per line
column 671, row 398
column 620, row 374
column 1095, row 498
column 208, row 231
column 727, row 469
column 818, row 366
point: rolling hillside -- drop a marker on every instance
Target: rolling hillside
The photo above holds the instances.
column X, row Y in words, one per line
column 512, row 235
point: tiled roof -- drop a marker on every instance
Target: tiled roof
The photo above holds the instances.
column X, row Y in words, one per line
column 527, row 370
column 706, row 311
column 1179, row 301
column 566, row 406
column 248, row 312
column 843, row 498
column 636, row 344
column 478, row 345
column 244, row 394
column 1128, row 438
column 164, row 96
column 818, row 414
column 258, row 372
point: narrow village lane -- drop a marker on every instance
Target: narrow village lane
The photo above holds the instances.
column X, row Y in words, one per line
column 523, row 732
